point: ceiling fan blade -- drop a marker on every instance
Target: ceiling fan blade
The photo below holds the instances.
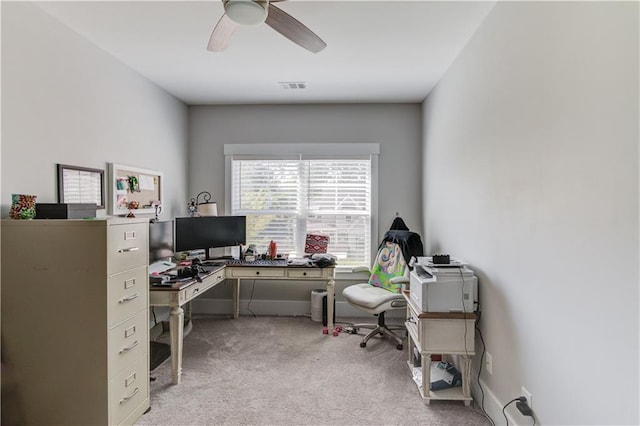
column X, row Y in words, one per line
column 222, row 34
column 293, row 29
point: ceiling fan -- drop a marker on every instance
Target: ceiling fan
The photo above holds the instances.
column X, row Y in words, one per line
column 254, row 12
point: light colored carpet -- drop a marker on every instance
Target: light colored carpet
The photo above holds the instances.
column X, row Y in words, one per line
column 284, row 371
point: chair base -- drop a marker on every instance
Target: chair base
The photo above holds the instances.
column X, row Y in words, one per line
column 382, row 329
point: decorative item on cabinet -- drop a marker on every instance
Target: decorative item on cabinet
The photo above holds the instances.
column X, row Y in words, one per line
column 80, row 185
column 65, row 210
column 134, row 189
column 23, row 206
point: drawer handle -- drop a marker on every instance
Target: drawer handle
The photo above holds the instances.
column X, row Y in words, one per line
column 257, row 272
column 128, row 348
column 129, row 298
column 304, row 273
column 128, row 250
column 128, row 397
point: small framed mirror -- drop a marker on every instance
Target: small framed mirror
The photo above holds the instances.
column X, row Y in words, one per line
column 80, row 185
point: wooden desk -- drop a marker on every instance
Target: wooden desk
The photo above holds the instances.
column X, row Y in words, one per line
column 175, row 297
column 182, row 292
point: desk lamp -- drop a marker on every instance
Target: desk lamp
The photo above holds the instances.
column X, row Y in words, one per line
column 207, row 207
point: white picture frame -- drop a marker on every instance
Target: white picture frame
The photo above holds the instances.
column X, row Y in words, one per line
column 129, row 185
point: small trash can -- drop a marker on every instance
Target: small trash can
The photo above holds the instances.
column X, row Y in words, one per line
column 317, row 303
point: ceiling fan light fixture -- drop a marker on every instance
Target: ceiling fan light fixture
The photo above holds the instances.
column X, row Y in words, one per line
column 246, row 12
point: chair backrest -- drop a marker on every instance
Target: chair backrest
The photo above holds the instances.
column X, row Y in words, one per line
column 389, row 264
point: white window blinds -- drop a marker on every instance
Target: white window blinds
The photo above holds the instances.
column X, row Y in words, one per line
column 284, row 199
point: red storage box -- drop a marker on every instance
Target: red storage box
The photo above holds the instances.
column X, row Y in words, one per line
column 316, row 243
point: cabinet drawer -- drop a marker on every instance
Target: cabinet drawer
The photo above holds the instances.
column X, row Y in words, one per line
column 448, row 336
column 128, row 390
column 128, row 294
column 128, row 341
column 305, row 273
column 128, row 246
column 258, row 273
column 441, row 335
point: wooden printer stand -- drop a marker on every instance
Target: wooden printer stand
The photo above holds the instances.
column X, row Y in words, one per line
column 450, row 334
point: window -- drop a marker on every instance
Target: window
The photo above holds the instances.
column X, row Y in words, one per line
column 285, row 197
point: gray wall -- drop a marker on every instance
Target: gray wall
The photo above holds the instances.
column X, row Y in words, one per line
column 397, row 127
column 66, row 101
column 531, row 175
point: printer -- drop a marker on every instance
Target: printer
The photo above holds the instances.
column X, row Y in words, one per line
column 451, row 287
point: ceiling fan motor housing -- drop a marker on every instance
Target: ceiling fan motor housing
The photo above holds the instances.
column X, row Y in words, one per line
column 246, row 12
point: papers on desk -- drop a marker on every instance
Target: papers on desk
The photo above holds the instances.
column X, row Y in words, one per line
column 303, row 261
column 160, row 267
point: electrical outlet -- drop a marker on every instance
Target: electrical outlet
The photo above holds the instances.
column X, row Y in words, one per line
column 488, row 362
column 527, row 395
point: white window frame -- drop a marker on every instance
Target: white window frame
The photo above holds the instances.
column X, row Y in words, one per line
column 311, row 149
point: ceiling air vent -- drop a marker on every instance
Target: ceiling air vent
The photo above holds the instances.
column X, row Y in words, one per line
column 293, row 84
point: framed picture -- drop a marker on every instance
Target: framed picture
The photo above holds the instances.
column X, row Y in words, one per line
column 134, row 190
column 80, row 185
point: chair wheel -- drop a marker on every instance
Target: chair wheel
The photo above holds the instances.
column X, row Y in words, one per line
column 399, row 347
column 363, row 344
column 325, row 330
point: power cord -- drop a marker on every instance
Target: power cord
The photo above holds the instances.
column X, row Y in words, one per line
column 480, row 367
column 466, row 351
column 253, row 287
column 521, row 398
column 523, row 407
column 153, row 311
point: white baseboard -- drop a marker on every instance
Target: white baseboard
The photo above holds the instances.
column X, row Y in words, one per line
column 277, row 307
column 492, row 404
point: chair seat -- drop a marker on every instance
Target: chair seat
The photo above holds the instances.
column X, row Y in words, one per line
column 373, row 299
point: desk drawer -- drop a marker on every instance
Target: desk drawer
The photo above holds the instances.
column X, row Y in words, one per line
column 305, row 273
column 127, row 342
column 128, row 294
column 257, row 273
column 191, row 292
column 128, row 390
column 128, row 246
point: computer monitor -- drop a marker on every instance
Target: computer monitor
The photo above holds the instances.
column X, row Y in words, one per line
column 197, row 233
column 161, row 241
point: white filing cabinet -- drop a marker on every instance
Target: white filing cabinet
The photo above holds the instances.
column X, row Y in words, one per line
column 451, row 334
column 75, row 322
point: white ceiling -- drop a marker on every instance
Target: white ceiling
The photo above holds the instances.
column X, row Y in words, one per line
column 377, row 51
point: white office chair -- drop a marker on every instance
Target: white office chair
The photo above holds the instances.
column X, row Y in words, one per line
column 383, row 292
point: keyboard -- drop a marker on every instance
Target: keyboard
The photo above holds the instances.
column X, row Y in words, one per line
column 264, row 262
